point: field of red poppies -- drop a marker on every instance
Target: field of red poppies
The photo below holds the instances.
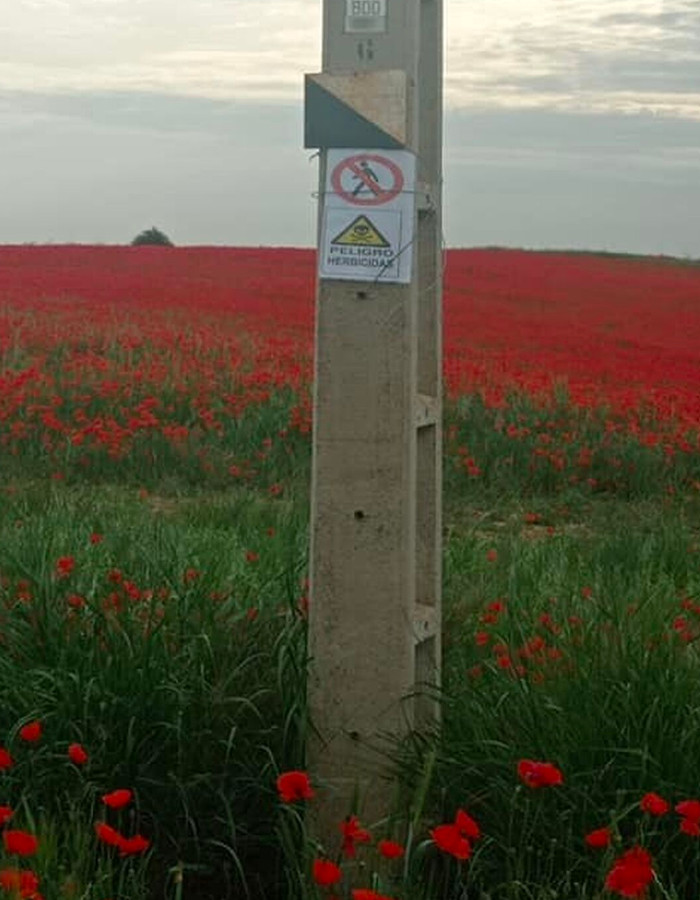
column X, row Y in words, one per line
column 615, row 331
column 154, row 455
column 101, row 345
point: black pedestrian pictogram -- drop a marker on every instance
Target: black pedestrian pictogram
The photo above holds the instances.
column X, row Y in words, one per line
column 366, row 178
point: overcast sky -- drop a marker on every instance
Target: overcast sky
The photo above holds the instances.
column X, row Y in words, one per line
column 570, row 123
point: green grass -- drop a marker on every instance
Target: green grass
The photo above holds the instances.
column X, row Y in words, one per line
column 618, row 712
column 182, row 668
column 186, row 699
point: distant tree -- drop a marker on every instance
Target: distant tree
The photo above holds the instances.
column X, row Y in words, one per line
column 152, row 236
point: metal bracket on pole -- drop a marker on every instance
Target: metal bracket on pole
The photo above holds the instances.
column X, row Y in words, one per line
column 425, row 197
column 375, row 112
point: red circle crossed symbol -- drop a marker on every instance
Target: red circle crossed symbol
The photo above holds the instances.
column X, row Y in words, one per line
column 367, row 180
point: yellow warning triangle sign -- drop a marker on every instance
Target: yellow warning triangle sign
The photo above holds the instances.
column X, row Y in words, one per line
column 361, row 233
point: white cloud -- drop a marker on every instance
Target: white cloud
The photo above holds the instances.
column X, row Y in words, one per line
column 601, row 55
column 566, row 54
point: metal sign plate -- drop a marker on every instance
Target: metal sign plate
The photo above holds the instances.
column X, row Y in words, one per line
column 365, row 16
column 368, row 216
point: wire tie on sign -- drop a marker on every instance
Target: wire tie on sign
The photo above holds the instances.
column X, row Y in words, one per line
column 336, row 194
column 403, row 249
column 392, row 260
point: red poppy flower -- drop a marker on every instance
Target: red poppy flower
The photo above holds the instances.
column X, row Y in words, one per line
column 136, row 844
column 64, row 566
column 9, row 879
column 492, row 555
column 31, row 732
column 325, row 873
column 450, row 839
column 690, row 809
column 390, row 849
column 20, row 842
column 691, row 827
column 96, row 538
column 353, row 834
column 293, row 786
column 631, row 873
column 29, row 884
column 77, row 754
column 6, row 761
column 466, row 825
column 22, row 882
column 117, row 799
column 654, row 804
column 539, row 774
column 108, row 835
column 601, row 837
column 367, row 894
column 6, row 813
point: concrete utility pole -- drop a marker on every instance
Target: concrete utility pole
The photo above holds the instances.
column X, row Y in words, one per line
column 375, row 112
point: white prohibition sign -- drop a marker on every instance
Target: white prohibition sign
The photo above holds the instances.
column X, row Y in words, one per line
column 367, row 179
column 368, row 216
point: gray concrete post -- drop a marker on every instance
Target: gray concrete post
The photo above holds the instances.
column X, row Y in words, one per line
column 375, row 600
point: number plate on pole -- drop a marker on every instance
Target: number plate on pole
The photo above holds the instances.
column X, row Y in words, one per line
column 365, row 16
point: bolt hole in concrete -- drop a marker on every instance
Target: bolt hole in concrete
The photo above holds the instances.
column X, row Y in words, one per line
column 359, row 514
